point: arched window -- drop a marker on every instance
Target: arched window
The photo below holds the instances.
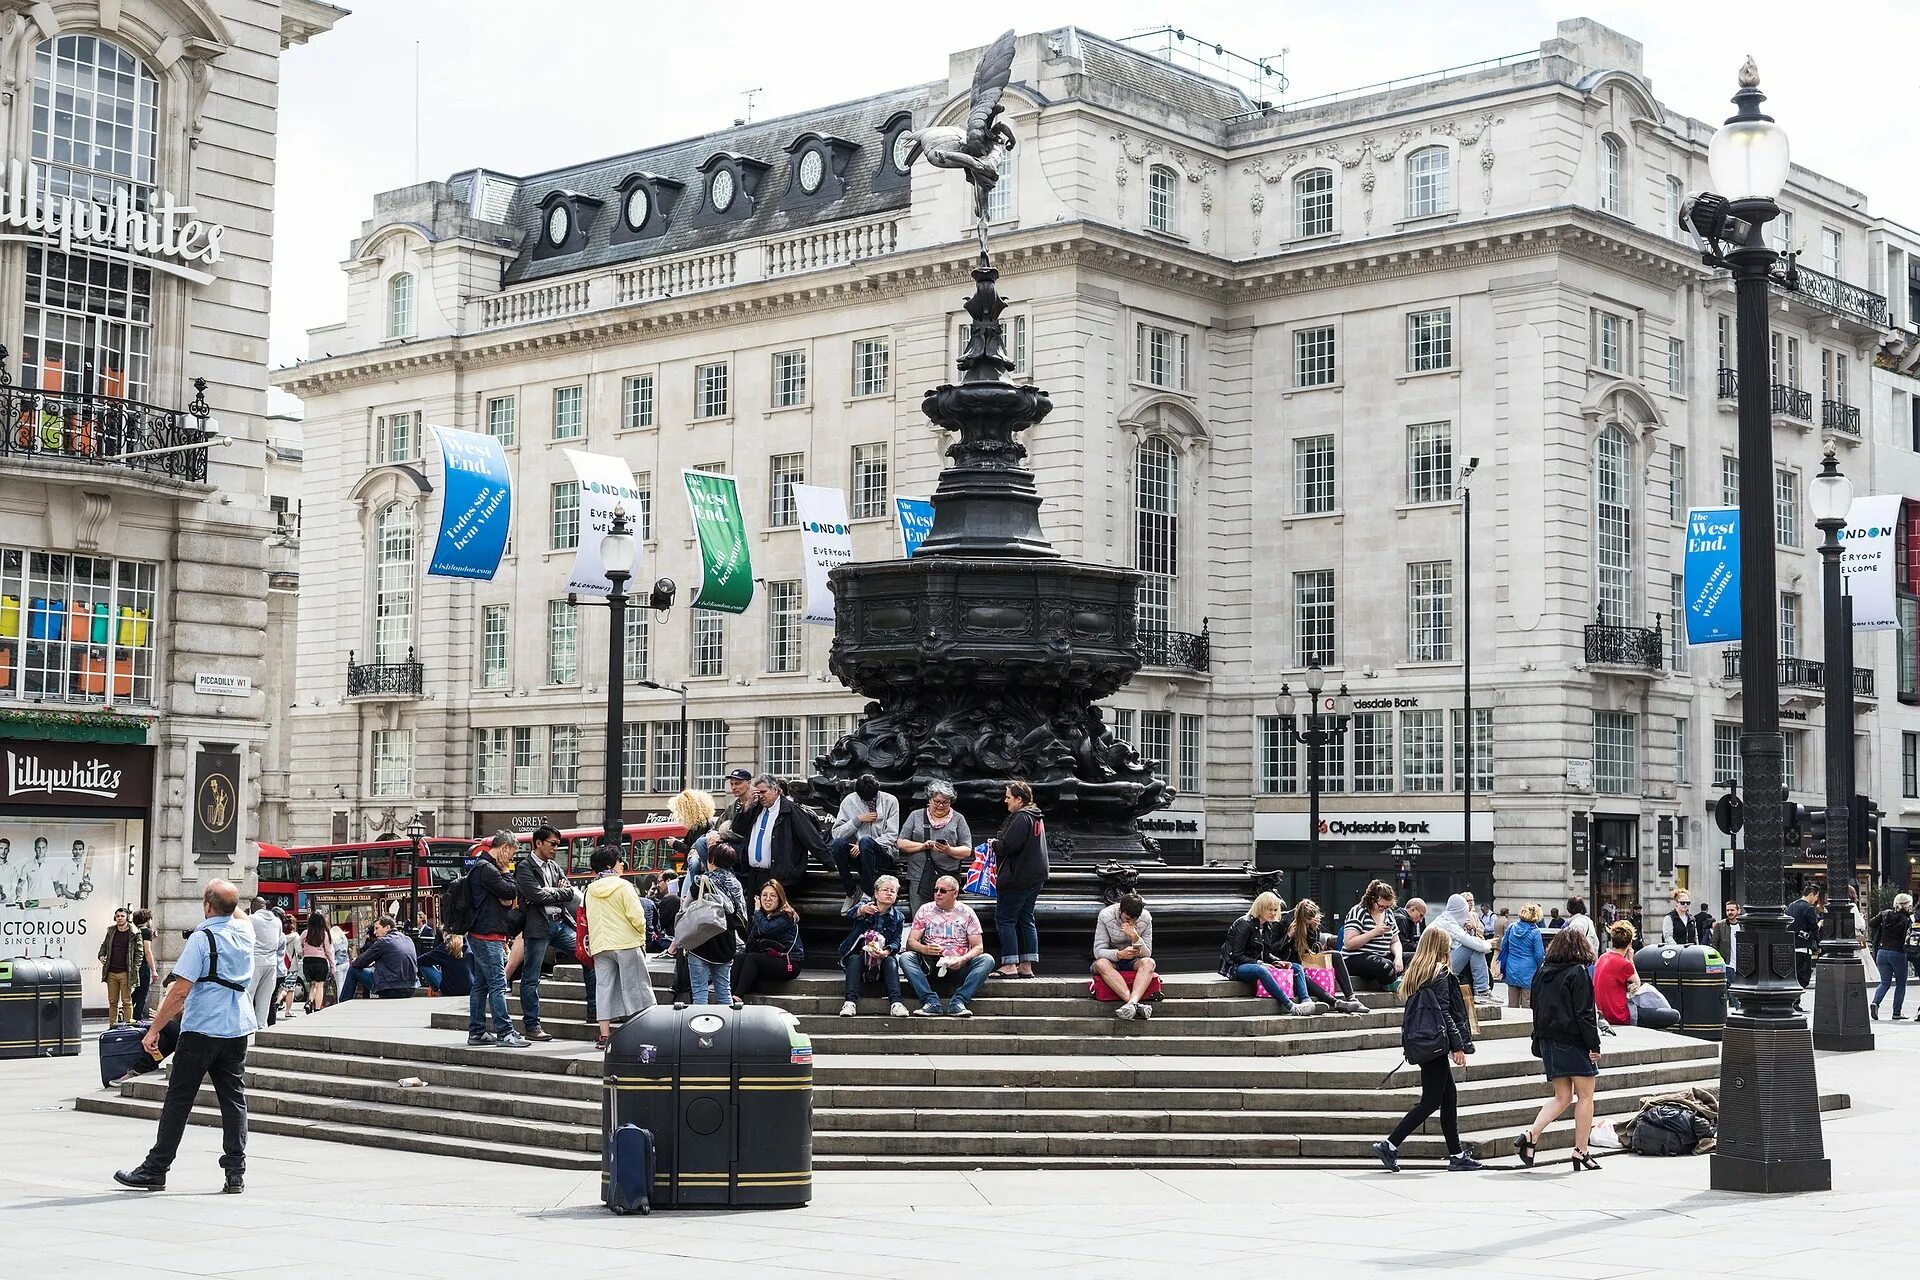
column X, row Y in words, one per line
column 1613, row 187
column 1162, row 199
column 1676, row 197
column 88, row 321
column 1313, row 204
column 1429, row 182
column 1156, row 529
column 1613, row 527
column 400, row 305
column 392, row 583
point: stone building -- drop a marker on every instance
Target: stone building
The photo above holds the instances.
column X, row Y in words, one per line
column 134, row 277
column 1273, row 336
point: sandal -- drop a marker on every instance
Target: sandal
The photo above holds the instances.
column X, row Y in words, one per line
column 1007, row 973
column 1581, row 1160
column 1524, row 1146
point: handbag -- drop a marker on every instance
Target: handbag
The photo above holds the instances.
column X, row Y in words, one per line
column 701, row 920
column 1319, row 967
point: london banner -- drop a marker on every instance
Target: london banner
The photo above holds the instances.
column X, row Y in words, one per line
column 1712, row 575
column 825, row 542
column 726, row 570
column 605, row 483
column 1867, row 560
column 916, row 522
column 476, row 505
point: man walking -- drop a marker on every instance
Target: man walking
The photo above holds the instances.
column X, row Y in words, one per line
column 1804, row 911
column 493, row 893
column 207, row 991
column 548, row 898
column 1726, row 940
column 266, row 960
column 119, row 959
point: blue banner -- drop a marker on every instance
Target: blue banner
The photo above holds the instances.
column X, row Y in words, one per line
column 916, row 522
column 476, row 505
column 1712, row 570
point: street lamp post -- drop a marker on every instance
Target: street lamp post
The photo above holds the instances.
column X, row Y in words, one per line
column 417, row 838
column 1770, row 1138
column 1466, row 678
column 1405, row 856
column 686, row 755
column 1320, row 731
column 1840, row 985
column 616, row 561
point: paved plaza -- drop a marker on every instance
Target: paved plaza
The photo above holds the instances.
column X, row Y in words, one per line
column 349, row 1210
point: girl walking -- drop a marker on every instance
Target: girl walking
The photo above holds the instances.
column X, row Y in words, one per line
column 316, row 959
column 1566, row 1039
column 1434, row 1030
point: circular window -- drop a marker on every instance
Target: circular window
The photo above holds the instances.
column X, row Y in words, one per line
column 720, row 191
column 902, row 149
column 812, row 170
column 639, row 204
column 559, row 224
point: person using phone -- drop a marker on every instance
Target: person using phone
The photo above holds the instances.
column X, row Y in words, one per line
column 935, row 841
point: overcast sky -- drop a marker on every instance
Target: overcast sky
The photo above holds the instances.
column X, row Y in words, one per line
column 523, row 87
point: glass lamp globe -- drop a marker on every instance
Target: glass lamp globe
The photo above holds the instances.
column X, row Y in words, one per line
column 1316, row 680
column 1283, row 703
column 1830, row 494
column 1748, row 157
column 616, row 548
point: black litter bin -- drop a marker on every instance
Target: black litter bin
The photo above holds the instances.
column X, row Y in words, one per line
column 39, row 1008
column 1694, row 981
column 728, row 1096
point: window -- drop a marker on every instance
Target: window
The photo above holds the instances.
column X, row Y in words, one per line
column 1676, row 366
column 1612, row 342
column 400, row 305
column 1785, row 372
column 710, row 390
column 870, row 364
column 1682, row 768
column 90, row 627
column 1313, row 475
column 783, row 626
column 490, row 762
column 393, row 584
column 1372, row 735
column 823, row 732
column 569, row 413
column 1190, row 728
column 1723, row 341
column 1423, row 755
column 1430, row 611
column 1430, row 462
column 1313, row 618
column 529, row 761
column 784, row 470
column 563, row 523
column 1156, row 505
column 1729, row 480
column 1156, row 741
column 1786, row 507
column 1783, row 240
column 640, row 507
column 1277, row 775
column 1160, row 357
column 503, row 420
column 1616, row 769
column 1832, row 247
column 780, row 746
column 789, row 379
column 1429, row 182
column 563, row 759
column 1833, row 376
column 1163, row 192
column 495, row 665
column 1313, row 357
column 666, row 756
column 1313, row 204
column 637, row 643
column 1726, row 753
column 1613, row 192
column 1790, row 759
column 869, row 481
column 1910, row 765
column 1676, row 200
column 633, row 759
column 563, row 643
column 636, row 401
column 1014, row 331
column 392, row 762
column 1677, row 654
column 1482, row 747
column 1430, row 340
column 1613, row 527
column 1789, row 625
column 397, row 438
column 1333, row 766
column 1000, row 206
column 1677, row 483
column 709, row 643
column 710, row 754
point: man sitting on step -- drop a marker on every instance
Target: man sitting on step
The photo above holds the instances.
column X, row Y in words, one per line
column 945, row 937
column 872, row 945
column 1123, row 954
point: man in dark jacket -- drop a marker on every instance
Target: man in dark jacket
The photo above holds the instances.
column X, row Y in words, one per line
column 733, row 821
column 1804, row 911
column 778, row 840
column 493, row 896
column 548, row 898
column 391, row 959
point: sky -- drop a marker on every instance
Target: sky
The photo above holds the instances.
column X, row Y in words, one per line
column 522, row 88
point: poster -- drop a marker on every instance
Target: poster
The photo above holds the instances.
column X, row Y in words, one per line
column 476, row 506
column 605, row 483
column 916, row 522
column 1712, row 575
column 825, row 542
column 1867, row 561
column 726, row 578
column 60, row 882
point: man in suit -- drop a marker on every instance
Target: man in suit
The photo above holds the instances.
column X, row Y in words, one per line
column 1726, row 937
column 779, row 840
column 1679, row 923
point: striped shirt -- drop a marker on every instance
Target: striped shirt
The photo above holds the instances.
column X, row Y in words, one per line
column 1362, row 919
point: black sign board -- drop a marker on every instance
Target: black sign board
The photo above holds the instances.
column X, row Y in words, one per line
column 1580, row 849
column 1663, row 840
column 75, row 775
column 216, row 801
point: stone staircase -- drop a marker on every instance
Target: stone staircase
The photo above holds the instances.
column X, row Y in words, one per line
column 1041, row 1077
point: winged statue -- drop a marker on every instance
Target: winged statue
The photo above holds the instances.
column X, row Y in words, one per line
column 981, row 147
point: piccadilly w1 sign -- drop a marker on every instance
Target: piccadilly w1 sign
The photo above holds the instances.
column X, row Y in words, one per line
column 164, row 235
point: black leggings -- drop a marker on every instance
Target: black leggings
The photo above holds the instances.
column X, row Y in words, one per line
column 1369, row 964
column 757, row 968
column 1437, row 1092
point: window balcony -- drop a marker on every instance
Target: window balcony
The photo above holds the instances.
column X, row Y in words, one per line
column 1837, row 415
column 102, row 431
column 1792, row 403
column 1863, row 686
column 1180, row 650
column 1794, row 673
column 1729, row 384
column 390, row 680
column 1837, row 297
column 1639, row 648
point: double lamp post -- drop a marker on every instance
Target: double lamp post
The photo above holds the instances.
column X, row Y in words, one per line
column 1322, row 731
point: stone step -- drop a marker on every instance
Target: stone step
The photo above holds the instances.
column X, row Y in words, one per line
column 1491, row 1147
column 827, row 1003
column 824, row 977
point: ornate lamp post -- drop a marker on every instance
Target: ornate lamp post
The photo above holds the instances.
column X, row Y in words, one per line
column 1840, row 985
column 417, row 837
column 1406, row 857
column 616, row 560
column 1320, row 731
column 1467, row 752
column 1770, row 1138
column 686, row 754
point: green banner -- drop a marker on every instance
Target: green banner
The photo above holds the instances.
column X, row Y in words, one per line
column 726, row 580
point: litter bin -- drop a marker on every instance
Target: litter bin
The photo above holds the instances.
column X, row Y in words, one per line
column 728, row 1096
column 1694, row 981
column 39, row 1008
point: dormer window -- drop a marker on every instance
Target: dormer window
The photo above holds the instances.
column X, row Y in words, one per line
column 891, row 174
column 818, row 171
column 564, row 219
column 732, row 190
column 559, row 225
column 721, row 189
column 646, row 202
column 811, row 170
column 638, row 206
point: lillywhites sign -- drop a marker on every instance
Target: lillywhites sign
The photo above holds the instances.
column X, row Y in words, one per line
column 77, row 775
column 30, row 775
column 165, row 235
column 1712, row 575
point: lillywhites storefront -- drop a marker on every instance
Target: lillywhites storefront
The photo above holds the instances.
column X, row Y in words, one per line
column 73, row 832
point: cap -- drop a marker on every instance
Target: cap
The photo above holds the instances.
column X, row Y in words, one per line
column 739, row 775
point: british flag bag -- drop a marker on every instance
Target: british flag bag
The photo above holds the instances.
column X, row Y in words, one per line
column 982, row 876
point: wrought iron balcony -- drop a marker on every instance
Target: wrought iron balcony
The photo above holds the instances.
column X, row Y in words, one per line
column 102, row 430
column 1863, row 683
column 1613, row 646
column 1185, row 650
column 1729, row 384
column 1794, row 673
column 385, row 679
column 1792, row 402
column 1849, row 301
column 1840, row 416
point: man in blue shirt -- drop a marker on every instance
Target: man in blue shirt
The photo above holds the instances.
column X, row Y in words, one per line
column 207, row 990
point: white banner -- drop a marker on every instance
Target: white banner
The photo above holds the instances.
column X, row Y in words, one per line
column 1867, row 560
column 605, row 483
column 825, row 542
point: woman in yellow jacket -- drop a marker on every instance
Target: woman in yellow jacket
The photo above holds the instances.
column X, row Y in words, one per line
column 617, row 940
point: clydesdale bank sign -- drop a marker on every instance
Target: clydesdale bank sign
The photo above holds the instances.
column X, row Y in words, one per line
column 155, row 232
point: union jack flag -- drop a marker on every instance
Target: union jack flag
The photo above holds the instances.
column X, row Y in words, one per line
column 982, row 876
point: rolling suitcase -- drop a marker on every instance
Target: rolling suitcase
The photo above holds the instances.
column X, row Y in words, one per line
column 630, row 1170
column 120, row 1051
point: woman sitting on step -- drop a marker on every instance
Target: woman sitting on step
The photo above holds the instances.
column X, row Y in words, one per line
column 772, row 951
column 1246, row 956
column 1295, row 937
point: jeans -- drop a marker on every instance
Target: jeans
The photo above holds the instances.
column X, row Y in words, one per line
column 755, row 969
column 1368, row 964
column 430, row 976
column 567, row 943
column 489, row 963
column 1263, row 982
column 855, row 967
column 976, row 973
column 704, row 973
column 140, row 992
column 533, row 958
column 1468, row 961
column 875, row 860
column 196, row 1058
column 1893, row 973
column 1437, row 1092
column 1013, row 921
column 352, row 978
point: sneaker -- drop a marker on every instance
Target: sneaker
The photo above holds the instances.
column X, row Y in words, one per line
column 236, row 1183
column 896, row 1010
column 960, row 1011
column 484, row 1037
column 1307, row 1008
column 1348, row 1004
column 1463, row 1162
column 1384, row 1150
column 512, row 1040
column 1146, row 1012
column 848, row 903
column 679, row 1004
column 848, row 1009
column 1126, row 1011
column 1899, row 1017
column 928, row 1011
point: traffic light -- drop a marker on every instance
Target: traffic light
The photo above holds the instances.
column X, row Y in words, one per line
column 1793, row 823
column 1816, row 850
column 1866, row 827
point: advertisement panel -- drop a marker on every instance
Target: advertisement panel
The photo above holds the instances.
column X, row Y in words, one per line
column 1711, row 573
column 605, row 483
column 726, row 578
column 60, row 881
column 825, row 542
column 1867, row 561
column 476, row 505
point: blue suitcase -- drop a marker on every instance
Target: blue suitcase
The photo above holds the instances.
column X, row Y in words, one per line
column 120, row 1051
column 630, row 1170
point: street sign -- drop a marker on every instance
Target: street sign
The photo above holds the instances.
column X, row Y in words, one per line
column 1728, row 813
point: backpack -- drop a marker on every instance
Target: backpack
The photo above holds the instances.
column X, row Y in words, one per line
column 1424, row 1031
column 456, row 903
